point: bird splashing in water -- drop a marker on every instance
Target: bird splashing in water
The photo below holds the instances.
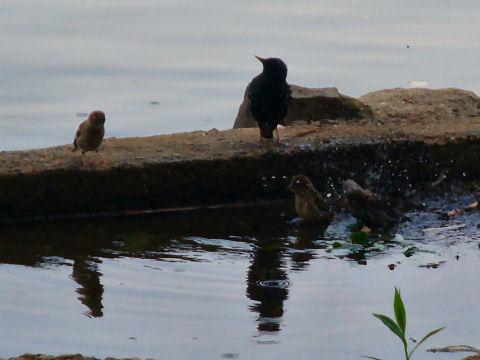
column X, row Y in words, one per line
column 311, row 207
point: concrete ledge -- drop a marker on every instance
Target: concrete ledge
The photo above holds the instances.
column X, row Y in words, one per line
column 64, row 357
column 216, row 167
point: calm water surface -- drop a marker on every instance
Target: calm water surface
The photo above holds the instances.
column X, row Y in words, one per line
column 239, row 283
column 246, row 284
column 179, row 65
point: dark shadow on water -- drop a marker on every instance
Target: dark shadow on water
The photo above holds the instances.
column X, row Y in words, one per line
column 85, row 273
column 169, row 237
column 266, row 234
column 305, row 244
column 267, row 281
column 267, row 278
column 166, row 237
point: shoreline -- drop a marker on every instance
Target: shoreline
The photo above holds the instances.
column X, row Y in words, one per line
column 208, row 168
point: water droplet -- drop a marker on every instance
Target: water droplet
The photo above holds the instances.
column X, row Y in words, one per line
column 283, row 284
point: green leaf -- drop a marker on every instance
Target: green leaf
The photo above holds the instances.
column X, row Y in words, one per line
column 391, row 325
column 359, row 237
column 371, row 357
column 399, row 310
column 425, row 338
column 410, row 251
column 336, row 245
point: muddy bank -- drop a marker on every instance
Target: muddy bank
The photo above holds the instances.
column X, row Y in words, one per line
column 62, row 357
column 392, row 154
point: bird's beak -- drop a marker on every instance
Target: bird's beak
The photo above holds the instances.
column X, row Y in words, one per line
column 260, row 59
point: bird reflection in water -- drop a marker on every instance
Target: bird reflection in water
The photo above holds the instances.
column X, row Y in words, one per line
column 65, row 243
column 267, row 279
column 267, row 283
column 61, row 243
column 303, row 248
column 85, row 273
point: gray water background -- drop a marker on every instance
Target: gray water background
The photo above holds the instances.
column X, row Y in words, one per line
column 159, row 67
column 187, row 294
column 246, row 283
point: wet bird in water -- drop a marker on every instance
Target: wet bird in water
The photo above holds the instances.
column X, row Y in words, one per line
column 90, row 134
column 269, row 96
column 373, row 210
column 309, row 204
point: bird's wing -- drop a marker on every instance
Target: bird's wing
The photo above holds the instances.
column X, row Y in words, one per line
column 77, row 134
column 319, row 200
column 392, row 207
column 257, row 98
column 286, row 93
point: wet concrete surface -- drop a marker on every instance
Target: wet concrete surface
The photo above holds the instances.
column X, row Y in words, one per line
column 204, row 168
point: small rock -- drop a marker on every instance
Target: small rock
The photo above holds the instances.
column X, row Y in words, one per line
column 300, row 122
column 70, row 357
column 29, row 356
column 311, row 104
column 397, row 103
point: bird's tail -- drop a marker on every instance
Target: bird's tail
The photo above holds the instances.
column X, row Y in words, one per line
column 267, row 131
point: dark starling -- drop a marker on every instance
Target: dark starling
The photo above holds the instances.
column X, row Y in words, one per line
column 373, row 210
column 309, row 204
column 269, row 96
column 89, row 135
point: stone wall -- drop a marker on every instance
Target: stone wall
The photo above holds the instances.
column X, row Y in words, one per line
column 216, row 167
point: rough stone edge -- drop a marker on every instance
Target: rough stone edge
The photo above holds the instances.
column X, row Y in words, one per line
column 29, row 356
column 388, row 164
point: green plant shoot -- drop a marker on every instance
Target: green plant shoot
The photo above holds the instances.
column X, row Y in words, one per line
column 399, row 326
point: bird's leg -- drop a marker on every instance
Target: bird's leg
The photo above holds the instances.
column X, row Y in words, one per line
column 84, row 159
column 100, row 157
column 260, row 138
column 278, row 136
